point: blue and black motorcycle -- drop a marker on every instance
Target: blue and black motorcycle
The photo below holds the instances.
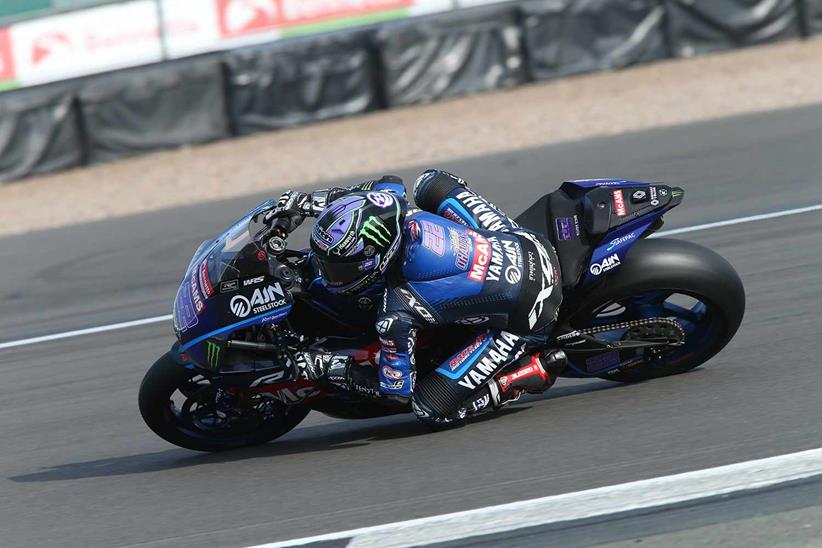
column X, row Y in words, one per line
column 634, row 309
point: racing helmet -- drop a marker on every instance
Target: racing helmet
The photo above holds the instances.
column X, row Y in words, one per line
column 356, row 238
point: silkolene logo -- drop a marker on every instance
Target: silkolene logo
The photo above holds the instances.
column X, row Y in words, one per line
column 7, row 71
column 239, row 17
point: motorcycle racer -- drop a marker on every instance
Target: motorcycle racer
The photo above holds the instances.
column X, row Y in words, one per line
column 456, row 260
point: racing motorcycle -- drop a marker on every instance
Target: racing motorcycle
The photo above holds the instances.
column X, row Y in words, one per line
column 634, row 309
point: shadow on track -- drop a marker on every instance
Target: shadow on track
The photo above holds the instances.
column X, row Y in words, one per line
column 328, row 437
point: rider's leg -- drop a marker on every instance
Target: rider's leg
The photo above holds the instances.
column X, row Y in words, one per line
column 533, row 373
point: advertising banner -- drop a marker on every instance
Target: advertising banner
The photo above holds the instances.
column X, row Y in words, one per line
column 197, row 26
column 86, row 42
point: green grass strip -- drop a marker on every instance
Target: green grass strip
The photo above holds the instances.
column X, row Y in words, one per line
column 353, row 21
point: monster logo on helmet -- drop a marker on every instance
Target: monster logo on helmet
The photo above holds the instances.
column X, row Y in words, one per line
column 365, row 234
column 375, row 230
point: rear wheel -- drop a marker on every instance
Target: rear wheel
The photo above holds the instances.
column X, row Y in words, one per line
column 183, row 407
column 680, row 281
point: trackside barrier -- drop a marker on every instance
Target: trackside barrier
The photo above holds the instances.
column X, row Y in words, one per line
column 437, row 57
column 398, row 53
column 155, row 107
column 565, row 37
column 301, row 81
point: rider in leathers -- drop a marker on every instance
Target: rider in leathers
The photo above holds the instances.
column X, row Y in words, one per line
column 458, row 261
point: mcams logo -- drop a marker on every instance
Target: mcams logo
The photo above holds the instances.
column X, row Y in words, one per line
column 262, row 300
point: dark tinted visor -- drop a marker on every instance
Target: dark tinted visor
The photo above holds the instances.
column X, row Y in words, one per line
column 340, row 273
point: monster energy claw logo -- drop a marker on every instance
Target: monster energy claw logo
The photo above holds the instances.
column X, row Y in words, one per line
column 375, row 230
column 212, row 354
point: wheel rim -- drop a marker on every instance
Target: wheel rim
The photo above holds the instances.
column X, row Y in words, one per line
column 698, row 317
column 197, row 409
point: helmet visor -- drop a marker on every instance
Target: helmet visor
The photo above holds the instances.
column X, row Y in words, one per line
column 339, row 273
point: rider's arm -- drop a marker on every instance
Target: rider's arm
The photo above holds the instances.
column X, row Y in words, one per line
column 447, row 195
column 398, row 338
column 312, row 204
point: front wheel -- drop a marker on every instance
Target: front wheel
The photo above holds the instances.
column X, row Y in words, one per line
column 183, row 407
column 673, row 279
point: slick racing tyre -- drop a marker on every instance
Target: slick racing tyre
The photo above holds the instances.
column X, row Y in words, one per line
column 183, row 407
column 674, row 279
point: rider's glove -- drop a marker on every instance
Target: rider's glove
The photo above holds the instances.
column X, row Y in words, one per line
column 292, row 208
column 315, row 366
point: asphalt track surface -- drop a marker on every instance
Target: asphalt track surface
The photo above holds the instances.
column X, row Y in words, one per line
column 79, row 468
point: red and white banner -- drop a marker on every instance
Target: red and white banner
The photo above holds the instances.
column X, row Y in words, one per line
column 128, row 34
column 238, row 17
column 86, row 42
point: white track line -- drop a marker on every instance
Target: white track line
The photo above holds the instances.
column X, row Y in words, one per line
column 602, row 501
column 89, row 331
column 740, row 220
column 158, row 319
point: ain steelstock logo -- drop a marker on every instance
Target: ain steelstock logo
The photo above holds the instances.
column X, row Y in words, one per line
column 212, row 354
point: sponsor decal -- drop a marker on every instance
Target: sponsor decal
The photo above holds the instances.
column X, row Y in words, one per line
column 321, row 237
column 433, row 238
column 601, row 361
column 383, row 326
column 608, row 263
column 505, row 381
column 565, row 229
column 253, row 281
column 391, row 373
column 532, row 267
column 196, row 298
column 663, row 191
column 513, row 275
column 273, row 378
column 389, row 345
column 639, row 196
column 365, row 303
column 229, row 286
column 621, row 240
column 380, row 199
column 452, row 215
column 292, row 396
column 548, row 277
column 619, row 203
column 205, row 280
column 483, row 212
column 262, row 300
column 461, row 247
column 482, row 257
column 396, row 385
column 654, row 199
column 374, row 229
column 417, row 306
column 463, row 354
column 505, row 348
column 213, row 354
column 184, row 315
column 474, row 320
column 414, row 230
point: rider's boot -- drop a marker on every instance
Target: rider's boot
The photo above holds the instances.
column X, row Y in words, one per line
column 534, row 374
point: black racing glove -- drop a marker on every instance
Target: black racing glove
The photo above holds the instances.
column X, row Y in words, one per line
column 291, row 210
column 340, row 371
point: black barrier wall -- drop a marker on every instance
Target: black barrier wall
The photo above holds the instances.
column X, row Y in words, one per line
column 417, row 60
column 39, row 131
column 703, row 26
column 318, row 78
column 155, row 107
column 438, row 57
column 565, row 37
